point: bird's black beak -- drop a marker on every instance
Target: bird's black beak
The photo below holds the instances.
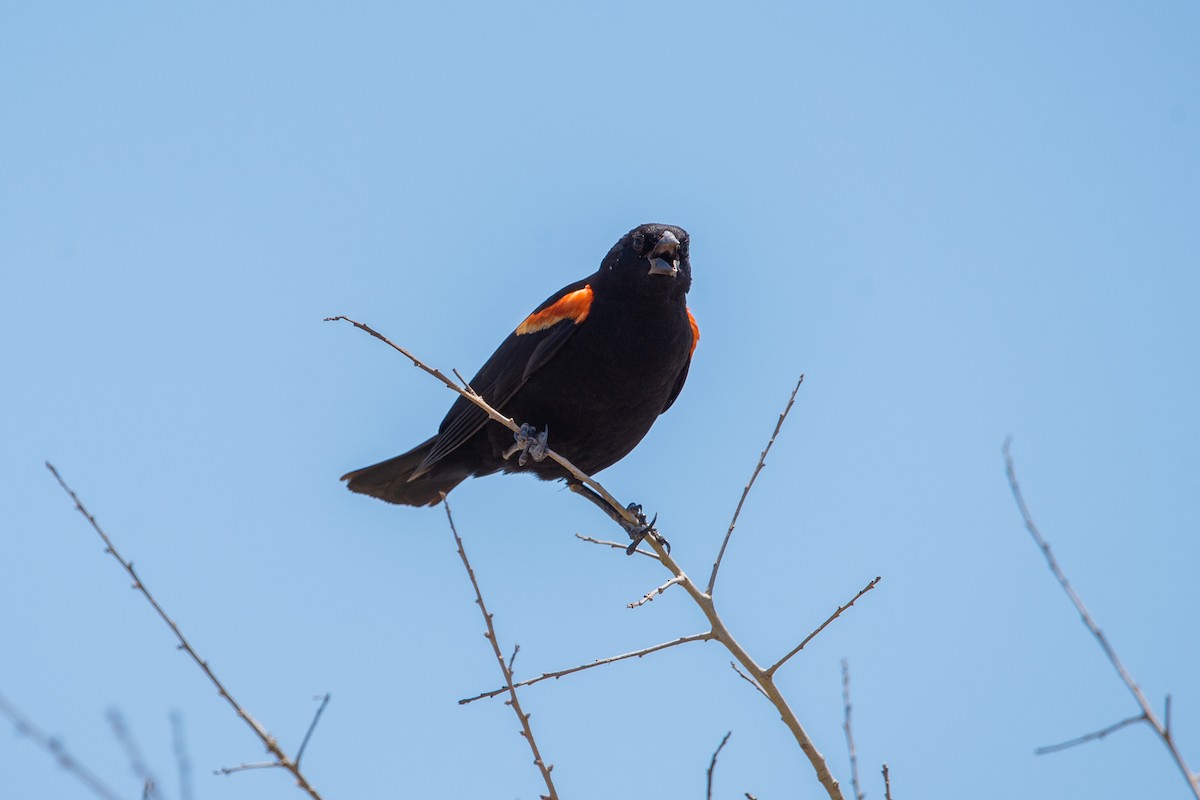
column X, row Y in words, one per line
column 664, row 258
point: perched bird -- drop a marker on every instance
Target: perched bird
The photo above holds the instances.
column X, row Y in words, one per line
column 587, row 373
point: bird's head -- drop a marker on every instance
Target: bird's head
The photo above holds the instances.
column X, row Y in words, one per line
column 653, row 258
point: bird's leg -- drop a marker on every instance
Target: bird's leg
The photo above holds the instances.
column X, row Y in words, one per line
column 529, row 443
column 636, row 532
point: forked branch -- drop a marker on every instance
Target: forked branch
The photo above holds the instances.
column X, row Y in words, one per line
column 1163, row 730
column 282, row 760
column 514, row 701
column 763, row 678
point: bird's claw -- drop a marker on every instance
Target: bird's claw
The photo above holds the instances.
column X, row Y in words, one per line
column 530, row 444
column 643, row 529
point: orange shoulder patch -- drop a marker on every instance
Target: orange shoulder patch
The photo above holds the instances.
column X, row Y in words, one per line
column 695, row 333
column 573, row 306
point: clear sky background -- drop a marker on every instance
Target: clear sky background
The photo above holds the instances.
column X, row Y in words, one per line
column 960, row 221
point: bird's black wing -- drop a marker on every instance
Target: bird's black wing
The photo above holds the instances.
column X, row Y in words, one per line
column 528, row 348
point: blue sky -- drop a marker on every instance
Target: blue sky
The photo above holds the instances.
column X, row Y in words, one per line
column 960, row 221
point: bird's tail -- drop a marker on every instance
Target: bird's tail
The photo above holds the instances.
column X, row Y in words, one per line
column 392, row 480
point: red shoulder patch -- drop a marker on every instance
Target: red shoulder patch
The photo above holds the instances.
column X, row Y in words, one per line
column 573, row 306
column 695, row 333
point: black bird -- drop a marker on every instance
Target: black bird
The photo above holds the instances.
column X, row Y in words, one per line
column 588, row 372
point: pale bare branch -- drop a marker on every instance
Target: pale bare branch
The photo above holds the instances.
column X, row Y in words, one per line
column 762, row 462
column 712, row 765
column 616, row 545
column 1148, row 714
column 823, row 625
column 696, row 637
column 653, row 593
column 763, row 680
column 513, row 700
column 25, row 727
column 282, row 760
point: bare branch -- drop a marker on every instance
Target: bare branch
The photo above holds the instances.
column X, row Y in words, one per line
column 312, row 726
column 887, row 784
column 712, row 765
column 182, row 761
column 136, row 763
column 513, row 700
column 858, row 795
column 823, row 625
column 244, row 767
column 281, row 758
column 762, row 462
column 1151, row 718
column 695, row 637
column 616, row 545
column 653, row 593
column 749, row 680
column 512, row 659
column 1090, row 737
column 720, row 632
column 55, row 748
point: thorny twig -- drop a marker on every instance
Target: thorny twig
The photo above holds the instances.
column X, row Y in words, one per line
column 823, row 625
column 281, row 758
column 513, row 700
column 696, row 637
column 762, row 462
column 1148, row 714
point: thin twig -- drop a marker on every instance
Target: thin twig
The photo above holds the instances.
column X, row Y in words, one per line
column 182, row 761
column 1090, row 737
column 696, row 637
column 55, row 748
column 1193, row 779
column 703, row 600
column 281, row 758
column 653, row 593
column 312, row 726
column 134, row 753
column 244, row 767
column 849, row 733
column 513, row 700
column 762, row 462
column 616, row 545
column 823, row 625
column 749, row 680
column 712, row 765
column 887, row 784
column 513, row 658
